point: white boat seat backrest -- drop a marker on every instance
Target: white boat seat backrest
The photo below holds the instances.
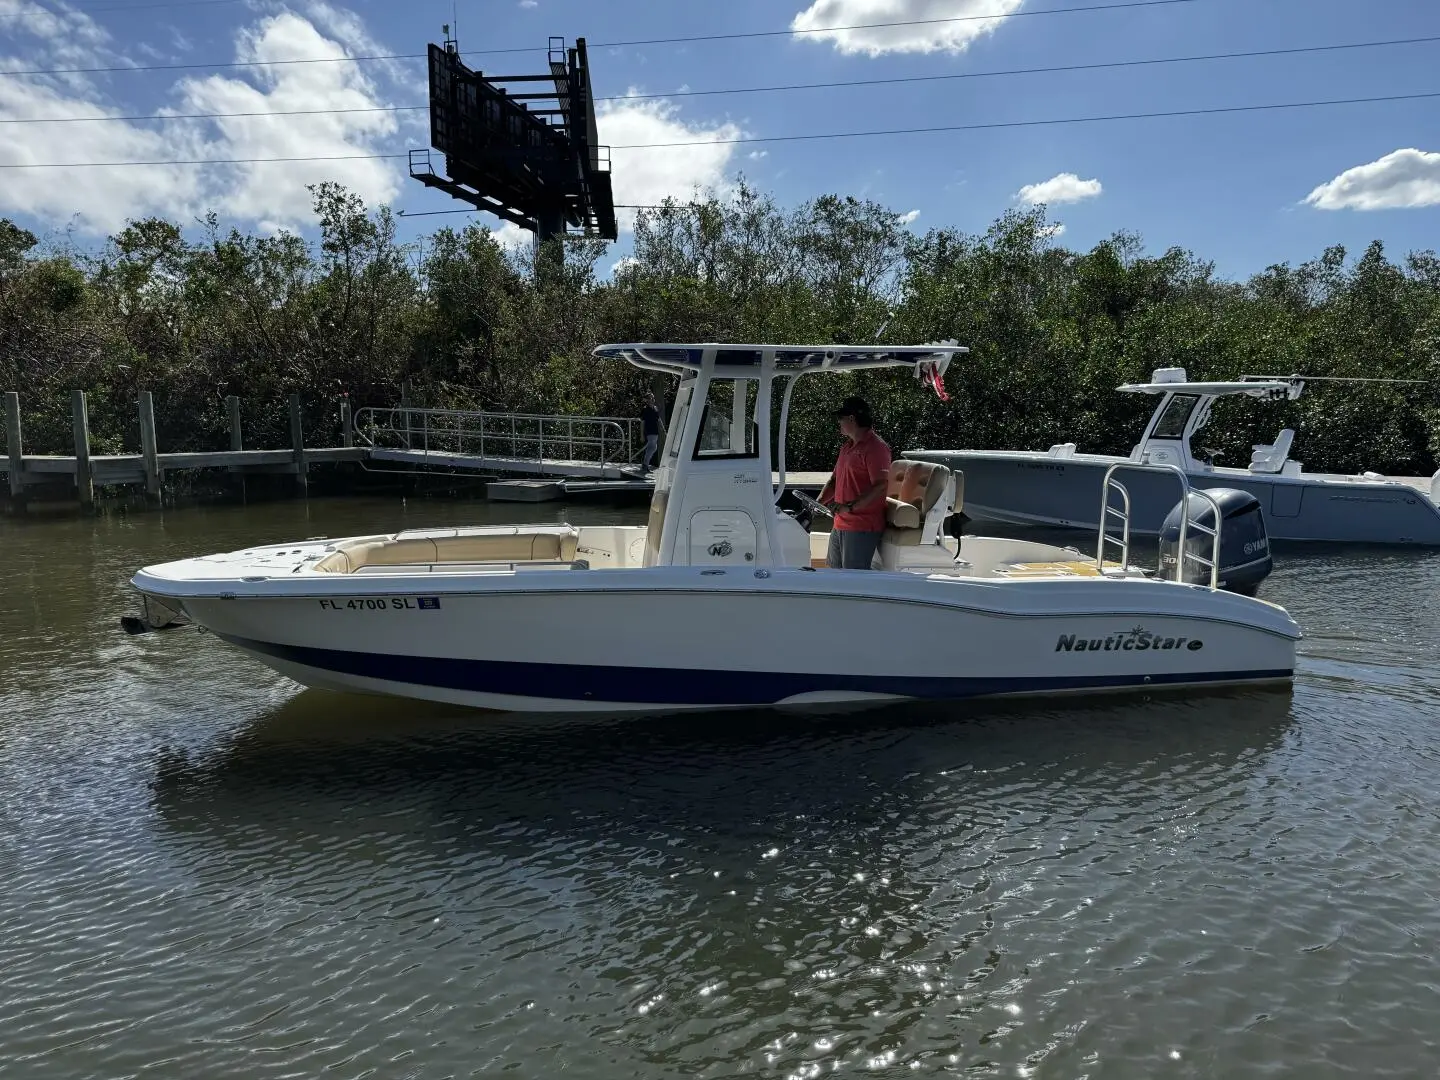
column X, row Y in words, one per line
column 1271, row 459
column 913, row 489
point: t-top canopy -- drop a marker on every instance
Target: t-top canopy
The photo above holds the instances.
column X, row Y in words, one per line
column 735, row 359
column 1172, row 380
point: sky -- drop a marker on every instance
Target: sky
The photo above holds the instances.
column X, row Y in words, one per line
column 1245, row 189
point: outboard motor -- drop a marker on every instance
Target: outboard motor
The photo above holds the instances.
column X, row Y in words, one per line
column 1244, row 547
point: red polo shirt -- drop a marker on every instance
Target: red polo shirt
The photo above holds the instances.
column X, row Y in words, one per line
column 862, row 464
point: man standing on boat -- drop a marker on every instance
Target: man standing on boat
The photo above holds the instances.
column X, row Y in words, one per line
column 855, row 493
column 650, row 421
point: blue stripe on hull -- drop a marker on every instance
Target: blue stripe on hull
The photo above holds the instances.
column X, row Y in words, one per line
column 693, row 686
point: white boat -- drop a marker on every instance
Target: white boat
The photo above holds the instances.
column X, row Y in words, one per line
column 722, row 599
column 1059, row 486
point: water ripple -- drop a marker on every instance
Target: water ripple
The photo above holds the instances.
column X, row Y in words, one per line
column 211, row 873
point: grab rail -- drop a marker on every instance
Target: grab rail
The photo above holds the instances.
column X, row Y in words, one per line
column 1106, row 511
column 605, row 440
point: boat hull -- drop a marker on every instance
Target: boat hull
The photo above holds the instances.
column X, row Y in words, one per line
column 1036, row 489
column 681, row 638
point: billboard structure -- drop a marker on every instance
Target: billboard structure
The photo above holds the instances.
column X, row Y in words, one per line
column 541, row 165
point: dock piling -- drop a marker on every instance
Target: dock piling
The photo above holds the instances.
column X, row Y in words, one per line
column 13, row 445
column 84, row 478
column 149, row 451
column 297, row 442
column 232, row 408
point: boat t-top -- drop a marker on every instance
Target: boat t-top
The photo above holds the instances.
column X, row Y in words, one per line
column 1056, row 487
column 723, row 599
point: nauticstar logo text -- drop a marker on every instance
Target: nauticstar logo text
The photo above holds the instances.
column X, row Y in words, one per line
column 1137, row 640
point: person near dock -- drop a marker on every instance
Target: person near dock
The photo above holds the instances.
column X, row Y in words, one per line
column 855, row 493
column 650, row 421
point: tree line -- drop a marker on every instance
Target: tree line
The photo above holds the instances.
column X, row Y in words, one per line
column 461, row 322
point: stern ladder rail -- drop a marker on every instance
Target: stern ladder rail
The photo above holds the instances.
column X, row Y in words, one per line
column 1107, row 511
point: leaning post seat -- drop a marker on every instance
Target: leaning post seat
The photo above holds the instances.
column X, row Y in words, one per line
column 915, row 500
column 1271, row 458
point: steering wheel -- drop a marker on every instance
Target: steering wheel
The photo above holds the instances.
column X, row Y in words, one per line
column 808, row 509
column 814, row 506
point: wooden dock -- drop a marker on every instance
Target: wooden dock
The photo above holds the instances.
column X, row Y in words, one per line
column 86, row 471
column 546, row 477
column 108, row 469
column 548, row 490
column 502, row 463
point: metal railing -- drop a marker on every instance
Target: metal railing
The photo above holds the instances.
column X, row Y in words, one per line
column 594, row 440
column 1107, row 511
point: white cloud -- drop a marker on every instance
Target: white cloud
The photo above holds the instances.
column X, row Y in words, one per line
column 981, row 17
column 101, row 199
column 1054, row 231
column 907, row 218
column 644, row 177
column 529, row 3
column 65, row 37
column 623, row 264
column 512, row 237
column 757, row 155
column 348, row 28
column 1065, row 188
column 278, row 189
column 1401, row 180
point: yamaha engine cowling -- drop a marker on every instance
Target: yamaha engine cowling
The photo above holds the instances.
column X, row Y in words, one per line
column 1244, row 548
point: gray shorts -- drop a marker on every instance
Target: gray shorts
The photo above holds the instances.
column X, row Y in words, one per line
column 852, row 550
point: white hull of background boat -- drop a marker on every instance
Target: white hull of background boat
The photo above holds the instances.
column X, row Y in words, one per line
column 1062, row 487
column 1035, row 488
column 676, row 638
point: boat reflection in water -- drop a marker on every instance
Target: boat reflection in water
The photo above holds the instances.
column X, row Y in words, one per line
column 324, row 769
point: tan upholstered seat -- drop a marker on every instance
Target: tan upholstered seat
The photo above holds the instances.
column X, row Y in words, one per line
column 553, row 544
column 913, row 489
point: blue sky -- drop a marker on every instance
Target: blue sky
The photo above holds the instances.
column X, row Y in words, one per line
column 1243, row 189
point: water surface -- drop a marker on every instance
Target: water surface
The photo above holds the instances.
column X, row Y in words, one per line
column 208, row 871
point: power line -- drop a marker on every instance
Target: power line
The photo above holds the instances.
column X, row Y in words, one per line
column 1123, row 5
column 208, row 116
column 478, row 209
column 990, row 126
column 108, row 5
column 198, row 161
column 436, row 213
column 1049, row 70
column 1213, row 111
column 88, row 9
column 774, row 89
column 882, row 25
column 229, row 64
